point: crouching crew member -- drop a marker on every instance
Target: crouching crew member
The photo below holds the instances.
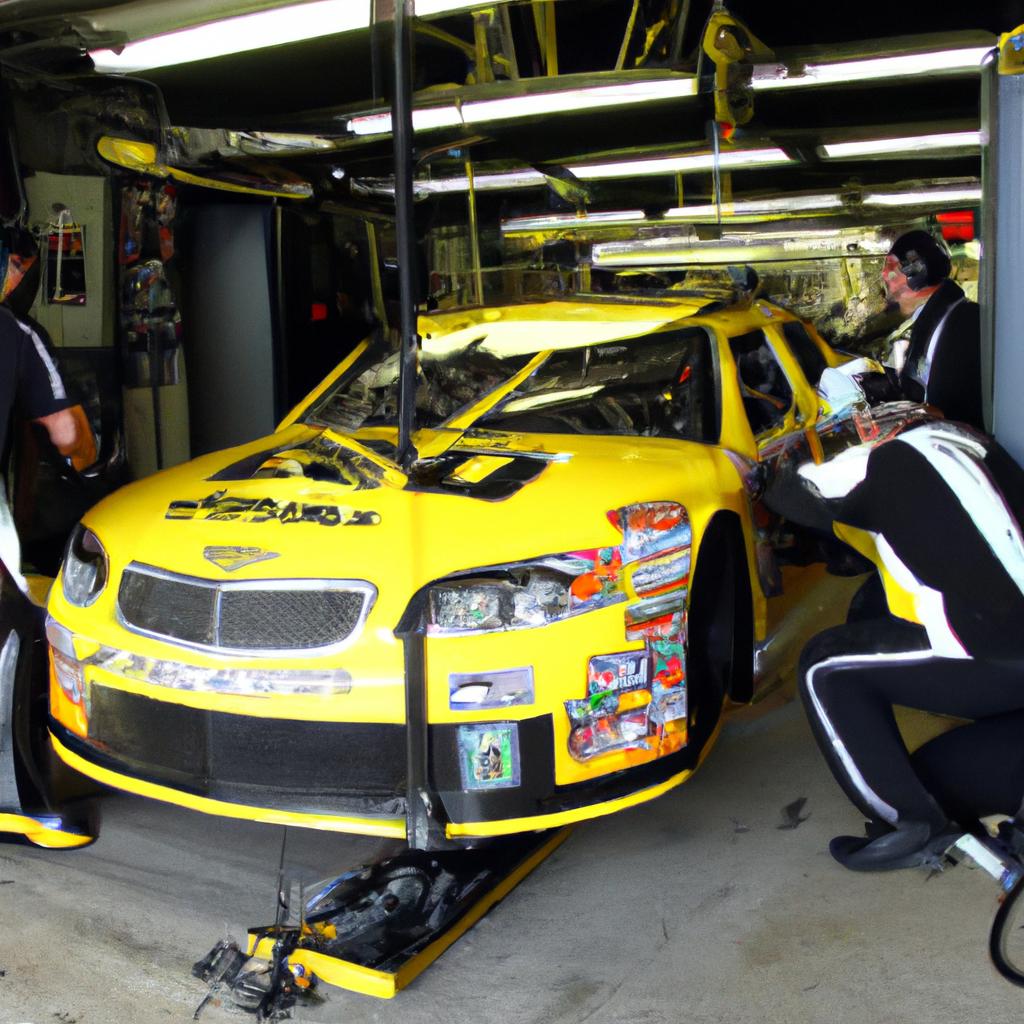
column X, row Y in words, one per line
column 942, row 505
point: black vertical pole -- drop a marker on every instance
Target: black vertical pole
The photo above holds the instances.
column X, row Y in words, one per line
column 418, row 810
column 401, row 128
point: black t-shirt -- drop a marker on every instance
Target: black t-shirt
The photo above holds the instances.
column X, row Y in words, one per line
column 953, row 380
column 30, row 382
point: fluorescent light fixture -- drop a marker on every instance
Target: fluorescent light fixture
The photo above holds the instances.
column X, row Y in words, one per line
column 767, row 157
column 531, row 105
column 274, row 26
column 924, row 197
column 684, row 214
column 749, row 248
column 902, row 144
column 423, row 119
column 486, row 182
column 907, row 65
column 756, row 207
column 481, row 182
column 949, row 194
column 564, row 221
column 426, row 8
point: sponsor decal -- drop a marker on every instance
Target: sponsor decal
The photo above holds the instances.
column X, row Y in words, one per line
column 662, row 574
column 222, row 506
column 599, row 580
column 652, row 528
column 477, row 691
column 489, row 755
column 232, row 558
column 609, row 675
column 636, row 700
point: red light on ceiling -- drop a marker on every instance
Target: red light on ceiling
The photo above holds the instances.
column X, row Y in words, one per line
column 957, row 225
column 318, row 312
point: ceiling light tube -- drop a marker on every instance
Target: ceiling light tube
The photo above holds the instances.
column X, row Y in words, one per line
column 531, row 105
column 272, row 27
column 588, row 172
column 426, row 8
column 423, row 119
column 753, row 248
column 952, row 194
column 767, row 157
column 924, row 197
column 755, row 207
column 481, row 183
column 903, row 144
column 568, row 221
column 906, row 65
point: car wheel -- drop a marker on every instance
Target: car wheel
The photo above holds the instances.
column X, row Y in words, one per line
column 720, row 648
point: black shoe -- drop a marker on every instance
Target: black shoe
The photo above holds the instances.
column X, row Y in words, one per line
column 910, row 844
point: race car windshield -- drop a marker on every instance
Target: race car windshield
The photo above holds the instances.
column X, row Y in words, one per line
column 449, row 380
column 660, row 385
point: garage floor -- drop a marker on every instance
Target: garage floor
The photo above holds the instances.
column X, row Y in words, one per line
column 696, row 908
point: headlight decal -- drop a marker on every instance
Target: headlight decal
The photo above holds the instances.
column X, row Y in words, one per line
column 489, row 756
column 525, row 595
column 654, row 554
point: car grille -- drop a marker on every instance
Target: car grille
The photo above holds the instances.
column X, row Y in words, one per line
column 341, row 767
column 282, row 615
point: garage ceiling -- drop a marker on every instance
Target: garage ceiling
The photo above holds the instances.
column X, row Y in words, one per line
column 316, row 88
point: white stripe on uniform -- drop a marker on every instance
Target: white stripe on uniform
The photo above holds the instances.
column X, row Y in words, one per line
column 56, row 384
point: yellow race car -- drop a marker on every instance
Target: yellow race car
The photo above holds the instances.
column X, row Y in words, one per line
column 537, row 621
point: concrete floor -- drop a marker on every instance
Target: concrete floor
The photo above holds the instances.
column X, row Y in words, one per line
column 696, row 908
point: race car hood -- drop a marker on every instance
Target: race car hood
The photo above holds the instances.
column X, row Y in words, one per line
column 315, row 504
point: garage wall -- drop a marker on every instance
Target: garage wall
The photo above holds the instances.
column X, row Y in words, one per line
column 89, row 203
column 228, row 329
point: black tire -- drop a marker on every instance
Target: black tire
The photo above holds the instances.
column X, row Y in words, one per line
column 1005, row 947
column 720, row 654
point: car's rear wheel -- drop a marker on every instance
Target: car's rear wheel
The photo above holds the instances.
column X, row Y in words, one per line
column 720, row 651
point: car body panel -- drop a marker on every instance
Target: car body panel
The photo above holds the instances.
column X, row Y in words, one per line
column 351, row 513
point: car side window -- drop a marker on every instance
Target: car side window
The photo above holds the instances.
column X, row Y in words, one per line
column 766, row 393
column 807, row 353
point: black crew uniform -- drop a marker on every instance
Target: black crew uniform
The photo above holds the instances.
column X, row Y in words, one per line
column 943, row 365
column 853, row 675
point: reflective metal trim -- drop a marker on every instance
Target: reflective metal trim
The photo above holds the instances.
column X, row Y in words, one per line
column 367, row 589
